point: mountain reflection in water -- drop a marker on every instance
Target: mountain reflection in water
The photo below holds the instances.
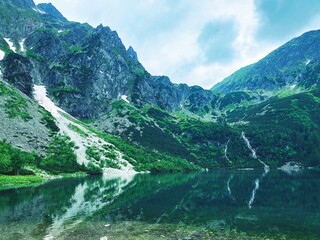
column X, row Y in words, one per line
column 254, row 202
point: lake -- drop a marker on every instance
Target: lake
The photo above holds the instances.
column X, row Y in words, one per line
column 224, row 204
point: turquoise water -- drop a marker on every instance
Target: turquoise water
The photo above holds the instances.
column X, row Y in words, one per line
column 215, row 205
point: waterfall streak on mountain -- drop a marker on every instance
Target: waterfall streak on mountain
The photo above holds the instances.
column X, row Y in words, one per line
column 226, row 151
column 253, row 151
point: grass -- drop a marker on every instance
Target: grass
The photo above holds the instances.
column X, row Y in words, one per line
column 138, row 71
column 8, row 182
column 48, row 120
column 74, row 49
column 78, row 130
column 31, row 54
column 15, row 105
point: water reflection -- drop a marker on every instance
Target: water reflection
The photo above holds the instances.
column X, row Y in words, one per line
column 257, row 185
column 228, row 187
column 88, row 197
column 249, row 201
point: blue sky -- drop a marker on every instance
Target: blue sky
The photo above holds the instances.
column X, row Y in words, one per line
column 198, row 42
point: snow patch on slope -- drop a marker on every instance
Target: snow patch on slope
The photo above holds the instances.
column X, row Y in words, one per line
column 2, row 54
column 125, row 98
column 67, row 123
column 22, row 49
column 11, row 45
column 293, row 86
column 38, row 10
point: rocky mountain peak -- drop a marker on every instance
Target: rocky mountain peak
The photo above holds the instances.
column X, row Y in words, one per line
column 132, row 53
column 48, row 8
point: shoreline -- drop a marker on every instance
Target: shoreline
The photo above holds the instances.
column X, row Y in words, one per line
column 18, row 181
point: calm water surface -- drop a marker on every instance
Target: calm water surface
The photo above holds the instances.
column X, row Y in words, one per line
column 217, row 205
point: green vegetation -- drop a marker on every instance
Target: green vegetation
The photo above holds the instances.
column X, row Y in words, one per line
column 61, row 157
column 92, row 169
column 6, row 180
column 204, row 140
column 201, row 143
column 5, row 47
column 105, row 158
column 31, row 54
column 49, row 121
column 285, row 129
column 12, row 160
column 139, row 72
column 142, row 158
column 15, row 105
column 74, row 49
column 291, row 122
column 146, row 160
column 78, row 130
column 145, row 131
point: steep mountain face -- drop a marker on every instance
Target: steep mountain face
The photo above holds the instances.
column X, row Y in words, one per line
column 284, row 68
column 16, row 70
column 84, row 68
column 18, row 18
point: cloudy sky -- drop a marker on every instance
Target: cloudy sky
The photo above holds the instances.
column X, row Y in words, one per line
column 198, row 42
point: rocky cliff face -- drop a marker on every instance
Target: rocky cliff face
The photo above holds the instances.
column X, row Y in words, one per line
column 18, row 18
column 16, row 70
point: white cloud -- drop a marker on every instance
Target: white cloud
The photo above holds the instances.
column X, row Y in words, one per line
column 165, row 33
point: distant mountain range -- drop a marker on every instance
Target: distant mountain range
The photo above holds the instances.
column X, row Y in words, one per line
column 110, row 113
column 293, row 65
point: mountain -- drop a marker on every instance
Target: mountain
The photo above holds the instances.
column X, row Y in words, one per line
column 74, row 98
column 83, row 70
column 86, row 68
column 292, row 66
